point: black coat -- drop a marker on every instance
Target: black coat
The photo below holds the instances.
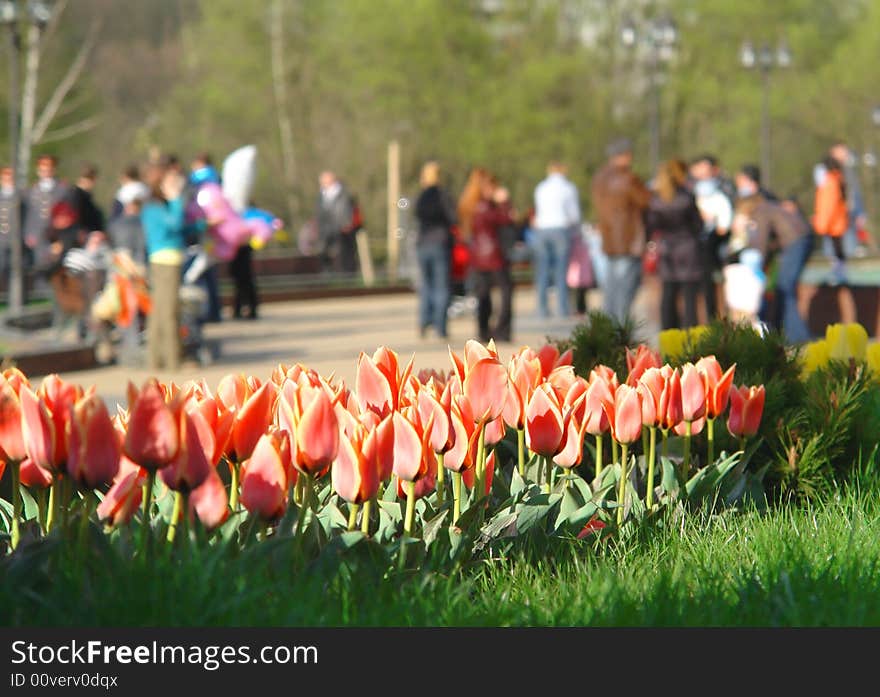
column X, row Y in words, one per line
column 677, row 224
column 436, row 216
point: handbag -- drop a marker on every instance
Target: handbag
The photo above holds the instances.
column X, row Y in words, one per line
column 651, row 256
column 580, row 265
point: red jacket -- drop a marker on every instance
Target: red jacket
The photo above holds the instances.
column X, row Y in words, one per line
column 486, row 251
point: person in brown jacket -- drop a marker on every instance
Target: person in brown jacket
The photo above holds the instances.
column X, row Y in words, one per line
column 619, row 202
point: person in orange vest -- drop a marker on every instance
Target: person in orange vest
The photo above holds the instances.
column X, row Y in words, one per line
column 831, row 217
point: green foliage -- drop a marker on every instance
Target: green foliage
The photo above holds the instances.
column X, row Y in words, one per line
column 831, row 434
column 600, row 339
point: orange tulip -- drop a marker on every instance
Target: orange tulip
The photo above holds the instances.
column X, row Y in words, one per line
column 425, row 484
column 192, row 464
column 38, row 431
column 442, row 433
column 693, row 393
column 316, row 442
column 59, row 397
column 252, row 420
column 549, row 358
column 11, row 440
column 355, row 472
column 32, row 475
column 572, row 451
column 123, row 499
column 576, row 399
column 485, row 386
column 669, row 408
column 625, row 415
column 410, row 458
column 650, row 385
column 638, row 361
column 717, row 385
column 524, row 375
column 495, row 431
column 562, row 378
column 209, row 501
column 746, row 409
column 600, row 391
column 94, row 454
column 264, row 477
column 545, row 426
column 152, row 439
column 462, row 455
column 380, row 382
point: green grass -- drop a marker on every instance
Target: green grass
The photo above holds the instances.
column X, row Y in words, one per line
column 799, row 566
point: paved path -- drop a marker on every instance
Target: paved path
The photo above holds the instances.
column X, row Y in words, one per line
column 328, row 335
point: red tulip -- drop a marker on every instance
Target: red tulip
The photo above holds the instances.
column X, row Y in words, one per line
column 650, row 386
column 524, row 375
column 209, row 501
column 252, row 420
column 495, row 431
column 549, row 358
column 31, row 475
column 746, row 409
column 669, row 409
column 192, row 464
column 152, row 439
column 562, row 378
column 693, row 393
column 573, row 446
column 427, row 483
column 545, row 426
column 625, row 415
column 461, row 456
column 38, row 431
column 355, row 472
column 124, row 498
column 717, row 385
column 94, row 454
column 442, row 434
column 485, row 386
column 599, row 392
column 638, row 361
column 576, row 399
column 264, row 477
column 59, row 397
column 410, row 459
column 11, row 441
column 379, row 381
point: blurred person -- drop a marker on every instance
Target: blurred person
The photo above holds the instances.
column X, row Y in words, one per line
column 39, row 199
column 90, row 217
column 673, row 215
column 335, row 215
column 490, row 267
column 470, row 197
column 855, row 237
column 556, row 220
column 831, row 216
column 716, row 210
column 162, row 218
column 748, row 183
column 241, row 268
column 125, row 230
column 777, row 230
column 619, row 201
column 11, row 218
column 129, row 181
column 436, row 216
column 202, row 171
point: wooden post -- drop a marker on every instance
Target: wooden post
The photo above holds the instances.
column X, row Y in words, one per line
column 393, row 212
column 363, row 249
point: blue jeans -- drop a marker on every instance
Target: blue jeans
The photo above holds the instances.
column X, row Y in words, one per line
column 434, row 291
column 791, row 264
column 552, row 247
column 623, row 275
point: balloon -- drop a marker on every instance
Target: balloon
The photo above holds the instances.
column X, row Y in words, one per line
column 239, row 170
column 228, row 229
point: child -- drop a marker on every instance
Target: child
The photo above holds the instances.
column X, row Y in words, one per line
column 744, row 284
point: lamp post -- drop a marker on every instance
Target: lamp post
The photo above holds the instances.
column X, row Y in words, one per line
column 36, row 16
column 658, row 37
column 765, row 59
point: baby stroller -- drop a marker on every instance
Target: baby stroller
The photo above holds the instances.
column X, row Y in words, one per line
column 460, row 301
column 193, row 298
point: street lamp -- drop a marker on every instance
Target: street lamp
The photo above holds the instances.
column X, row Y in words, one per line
column 36, row 14
column 659, row 38
column 765, row 59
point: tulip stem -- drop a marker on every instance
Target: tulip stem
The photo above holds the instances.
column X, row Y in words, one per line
column 614, row 450
column 441, row 478
column 307, row 493
column 145, row 509
column 410, row 508
column 621, row 495
column 298, row 490
column 686, row 460
column 664, row 446
column 479, row 480
column 352, row 516
column 710, row 434
column 551, row 475
column 53, row 503
column 233, row 486
column 540, row 475
column 365, row 517
column 15, row 466
column 645, row 444
column 652, row 457
column 456, row 496
column 742, row 443
column 86, row 512
column 175, row 516
column 42, row 515
column 599, row 443
column 521, row 453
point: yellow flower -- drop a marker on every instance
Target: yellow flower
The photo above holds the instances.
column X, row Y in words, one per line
column 872, row 354
column 846, row 341
column 672, row 343
column 815, row 356
column 697, row 333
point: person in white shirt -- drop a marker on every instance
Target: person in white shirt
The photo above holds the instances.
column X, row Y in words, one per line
column 717, row 212
column 557, row 218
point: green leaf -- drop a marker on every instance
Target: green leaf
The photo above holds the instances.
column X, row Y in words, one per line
column 31, row 509
column 582, row 515
column 500, row 523
column 532, row 512
column 669, row 482
column 331, row 518
column 571, row 501
column 432, row 527
column 517, row 483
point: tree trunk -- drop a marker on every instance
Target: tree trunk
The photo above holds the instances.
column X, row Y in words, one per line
column 285, row 129
column 28, row 105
